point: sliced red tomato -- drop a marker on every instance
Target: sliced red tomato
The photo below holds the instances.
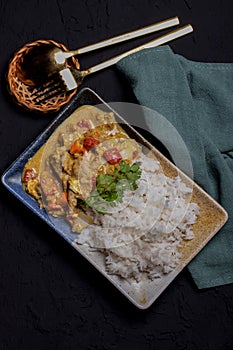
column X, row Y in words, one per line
column 90, row 142
column 29, row 174
column 112, row 156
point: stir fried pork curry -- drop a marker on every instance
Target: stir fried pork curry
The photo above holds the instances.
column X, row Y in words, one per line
column 84, row 167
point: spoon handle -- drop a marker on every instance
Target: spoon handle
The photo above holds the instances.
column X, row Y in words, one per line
column 159, row 41
column 127, row 36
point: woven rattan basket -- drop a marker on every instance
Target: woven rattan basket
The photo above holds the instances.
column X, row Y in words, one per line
column 23, row 95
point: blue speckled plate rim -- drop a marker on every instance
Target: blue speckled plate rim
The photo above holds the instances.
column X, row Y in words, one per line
column 15, row 170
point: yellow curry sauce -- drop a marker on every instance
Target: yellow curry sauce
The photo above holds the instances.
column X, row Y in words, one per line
column 62, row 174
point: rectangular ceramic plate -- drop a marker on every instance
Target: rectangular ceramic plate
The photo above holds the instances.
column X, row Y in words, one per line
column 142, row 294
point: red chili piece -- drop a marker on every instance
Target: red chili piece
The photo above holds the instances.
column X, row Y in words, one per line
column 29, row 174
column 90, row 142
column 112, row 156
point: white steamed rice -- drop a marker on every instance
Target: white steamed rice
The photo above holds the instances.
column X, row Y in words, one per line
column 143, row 234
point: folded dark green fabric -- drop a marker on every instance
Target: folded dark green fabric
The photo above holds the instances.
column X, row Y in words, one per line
column 197, row 98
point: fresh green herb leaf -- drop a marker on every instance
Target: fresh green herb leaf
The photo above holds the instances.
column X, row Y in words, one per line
column 132, row 176
column 100, row 188
column 124, row 167
column 109, row 179
column 110, row 187
column 135, row 167
column 116, row 172
column 103, row 179
column 134, row 186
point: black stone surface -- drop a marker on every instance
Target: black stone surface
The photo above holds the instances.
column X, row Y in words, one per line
column 50, row 297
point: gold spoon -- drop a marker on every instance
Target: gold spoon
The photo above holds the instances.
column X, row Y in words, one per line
column 61, row 56
column 45, row 60
column 72, row 83
column 69, row 79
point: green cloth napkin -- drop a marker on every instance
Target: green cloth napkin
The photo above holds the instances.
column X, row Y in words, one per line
column 197, row 98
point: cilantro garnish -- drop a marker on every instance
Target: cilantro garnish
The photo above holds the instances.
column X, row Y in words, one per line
column 110, row 187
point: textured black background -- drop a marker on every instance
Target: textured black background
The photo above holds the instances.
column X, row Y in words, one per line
column 50, row 297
